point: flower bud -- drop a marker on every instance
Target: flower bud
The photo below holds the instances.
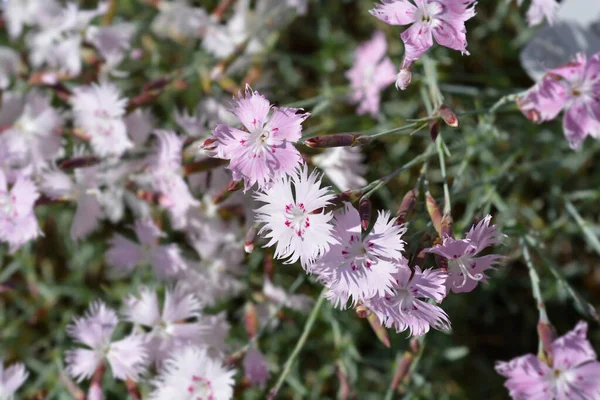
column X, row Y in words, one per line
column 448, row 116
column 249, row 240
column 364, row 210
column 406, row 207
column 403, row 78
column 338, row 140
column 434, row 212
column 434, row 129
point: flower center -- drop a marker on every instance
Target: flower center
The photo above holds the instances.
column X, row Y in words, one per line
column 463, row 266
column 427, row 13
column 296, row 218
column 200, row 389
column 356, row 252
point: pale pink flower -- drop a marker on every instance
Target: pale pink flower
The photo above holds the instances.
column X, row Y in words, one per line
column 166, row 178
column 574, row 87
column 19, row 14
column 372, row 72
column 278, row 297
column 178, row 20
column 127, row 357
column 99, row 111
column 465, row 270
column 290, row 220
column 18, row 223
column 9, row 66
column 112, row 42
column 191, row 373
column 140, row 125
column 11, row 379
column 343, row 166
column 264, row 150
column 406, row 308
column 574, row 375
column 540, row 10
column 256, row 368
column 443, row 20
column 125, row 254
column 169, row 328
column 358, row 268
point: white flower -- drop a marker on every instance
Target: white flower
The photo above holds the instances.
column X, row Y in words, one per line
column 289, row 217
column 191, row 374
column 112, row 42
column 177, row 20
column 99, row 111
column 343, row 166
column 11, row 379
column 127, row 357
column 140, row 125
column 21, row 13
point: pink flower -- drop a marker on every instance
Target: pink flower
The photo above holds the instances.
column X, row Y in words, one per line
column 18, row 223
column 443, row 20
column 290, row 220
column 262, row 151
column 127, row 357
column 256, row 368
column 372, row 72
column 574, row 87
column 343, row 166
column 465, row 270
column 125, row 254
column 574, row 375
column 540, row 10
column 358, row 268
column 11, row 379
column 406, row 307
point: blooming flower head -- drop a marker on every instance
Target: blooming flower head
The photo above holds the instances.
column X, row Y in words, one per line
column 443, row 20
column 125, row 254
column 168, row 329
column 465, row 270
column 11, row 379
column 18, row 223
column 406, row 308
column 263, row 150
column 178, row 20
column 540, row 10
column 372, row 72
column 127, row 357
column 574, row 374
column 343, row 166
column 21, row 13
column 99, row 111
column 358, row 268
column 256, row 368
column 191, row 374
column 291, row 219
column 574, row 87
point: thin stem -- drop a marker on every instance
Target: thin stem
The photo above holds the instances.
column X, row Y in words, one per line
column 441, row 156
column 503, row 100
column 535, row 283
column 301, row 342
column 590, row 237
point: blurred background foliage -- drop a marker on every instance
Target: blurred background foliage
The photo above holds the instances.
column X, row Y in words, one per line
column 523, row 174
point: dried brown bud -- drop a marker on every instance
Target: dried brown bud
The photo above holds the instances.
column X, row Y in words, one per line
column 448, row 116
column 407, row 206
column 337, row 140
column 364, row 210
column 434, row 212
column 434, row 129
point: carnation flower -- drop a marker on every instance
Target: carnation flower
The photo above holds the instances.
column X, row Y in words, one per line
column 406, row 307
column 442, row 20
column 99, row 111
column 574, row 87
column 171, row 327
column 178, row 20
column 192, row 374
column 291, row 217
column 18, row 223
column 358, row 268
column 256, row 368
column 127, row 357
column 263, row 151
column 277, row 296
column 574, row 374
column 343, row 166
column 372, row 72
column 540, row 10
column 11, row 379
column 112, row 42
column 21, row 13
column 465, row 270
column 125, row 254
column 140, row 124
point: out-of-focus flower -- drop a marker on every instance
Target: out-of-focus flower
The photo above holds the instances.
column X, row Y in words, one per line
column 125, row 254
column 112, row 42
column 178, row 20
column 429, row 19
column 83, row 189
column 170, row 328
column 290, row 221
column 372, row 72
column 9, row 66
column 99, row 111
column 192, row 374
column 540, row 10
column 127, row 357
column 21, row 13
column 358, row 268
column 574, row 374
column 208, row 113
column 256, row 368
column 278, row 296
column 18, row 223
column 574, row 87
column 465, row 270
column 343, row 166
column 264, row 151
column 406, row 308
column 140, row 124
column 11, row 379
column 403, row 78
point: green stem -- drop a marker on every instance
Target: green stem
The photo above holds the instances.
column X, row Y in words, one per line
column 590, row 237
column 441, row 156
column 301, row 342
column 535, row 283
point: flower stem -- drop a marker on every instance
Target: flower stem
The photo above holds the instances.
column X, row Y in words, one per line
column 535, row 282
column 301, row 342
column 447, row 203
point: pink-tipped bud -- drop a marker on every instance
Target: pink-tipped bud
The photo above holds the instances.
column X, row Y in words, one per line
column 338, row 140
column 362, row 311
column 250, row 238
column 406, row 207
column 403, row 78
column 448, row 116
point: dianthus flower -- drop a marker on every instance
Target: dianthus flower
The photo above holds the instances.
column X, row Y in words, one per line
column 256, row 368
column 540, row 10
column 343, row 166
column 11, row 379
